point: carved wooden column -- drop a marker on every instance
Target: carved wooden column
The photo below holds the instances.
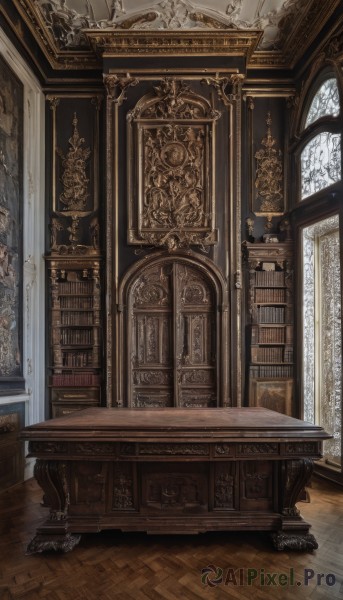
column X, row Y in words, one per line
column 116, row 86
column 53, row 535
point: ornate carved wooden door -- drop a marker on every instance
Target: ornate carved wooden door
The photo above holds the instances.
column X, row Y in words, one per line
column 172, row 337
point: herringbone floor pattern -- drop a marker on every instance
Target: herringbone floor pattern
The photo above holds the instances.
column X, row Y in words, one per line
column 125, row 566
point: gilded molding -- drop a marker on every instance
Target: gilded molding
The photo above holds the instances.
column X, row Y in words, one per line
column 235, row 81
column 174, row 43
column 116, row 86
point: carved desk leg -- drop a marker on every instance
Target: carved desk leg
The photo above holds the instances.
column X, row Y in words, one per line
column 53, row 534
column 294, row 534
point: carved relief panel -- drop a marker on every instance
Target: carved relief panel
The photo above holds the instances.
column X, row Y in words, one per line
column 178, row 488
column 88, row 487
column 151, row 337
column 256, row 481
column 171, row 175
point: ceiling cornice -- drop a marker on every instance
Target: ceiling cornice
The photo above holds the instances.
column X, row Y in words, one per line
column 133, row 43
column 299, row 32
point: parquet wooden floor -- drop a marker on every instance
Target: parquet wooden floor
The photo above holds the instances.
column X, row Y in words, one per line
column 126, row 566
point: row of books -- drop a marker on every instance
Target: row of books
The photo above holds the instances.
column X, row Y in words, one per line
column 269, row 314
column 76, row 302
column 76, row 287
column 267, row 354
column 268, row 335
column 270, row 278
column 272, row 371
column 76, row 318
column 276, row 295
column 73, row 379
column 77, row 359
column 71, row 337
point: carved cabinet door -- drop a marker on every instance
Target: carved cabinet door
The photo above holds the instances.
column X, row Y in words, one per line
column 172, row 338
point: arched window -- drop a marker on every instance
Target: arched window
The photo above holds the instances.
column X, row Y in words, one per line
column 324, row 103
column 320, row 159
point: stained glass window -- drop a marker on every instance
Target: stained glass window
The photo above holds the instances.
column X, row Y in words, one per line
column 320, row 163
column 322, row 334
column 324, row 103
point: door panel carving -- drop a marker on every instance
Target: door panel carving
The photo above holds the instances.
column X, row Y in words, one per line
column 172, row 332
column 151, row 338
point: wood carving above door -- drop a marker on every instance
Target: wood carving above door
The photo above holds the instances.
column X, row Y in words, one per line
column 173, row 328
column 171, row 135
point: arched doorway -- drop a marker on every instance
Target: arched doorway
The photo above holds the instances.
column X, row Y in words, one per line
column 173, row 333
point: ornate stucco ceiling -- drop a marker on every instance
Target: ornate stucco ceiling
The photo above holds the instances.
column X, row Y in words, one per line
column 287, row 26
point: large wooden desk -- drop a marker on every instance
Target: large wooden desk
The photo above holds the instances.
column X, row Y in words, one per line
column 173, row 471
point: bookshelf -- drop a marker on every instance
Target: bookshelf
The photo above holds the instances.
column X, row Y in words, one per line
column 75, row 333
column 270, row 325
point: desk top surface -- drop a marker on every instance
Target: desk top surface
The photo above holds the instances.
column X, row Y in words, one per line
column 205, row 423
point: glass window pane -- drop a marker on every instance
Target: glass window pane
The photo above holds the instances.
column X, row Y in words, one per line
column 322, row 335
column 325, row 102
column 320, row 163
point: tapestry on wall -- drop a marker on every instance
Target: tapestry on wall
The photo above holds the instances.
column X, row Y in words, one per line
column 11, row 148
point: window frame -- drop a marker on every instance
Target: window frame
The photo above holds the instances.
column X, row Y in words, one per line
column 317, row 325
column 305, row 212
column 326, row 123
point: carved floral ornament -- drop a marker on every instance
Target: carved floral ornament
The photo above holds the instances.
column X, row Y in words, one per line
column 171, row 201
column 269, row 176
column 73, row 199
column 74, row 179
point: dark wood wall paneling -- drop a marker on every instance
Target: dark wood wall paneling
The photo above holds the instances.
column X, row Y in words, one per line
column 69, row 83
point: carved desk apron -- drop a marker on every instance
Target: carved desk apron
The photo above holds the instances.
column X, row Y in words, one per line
column 173, row 471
